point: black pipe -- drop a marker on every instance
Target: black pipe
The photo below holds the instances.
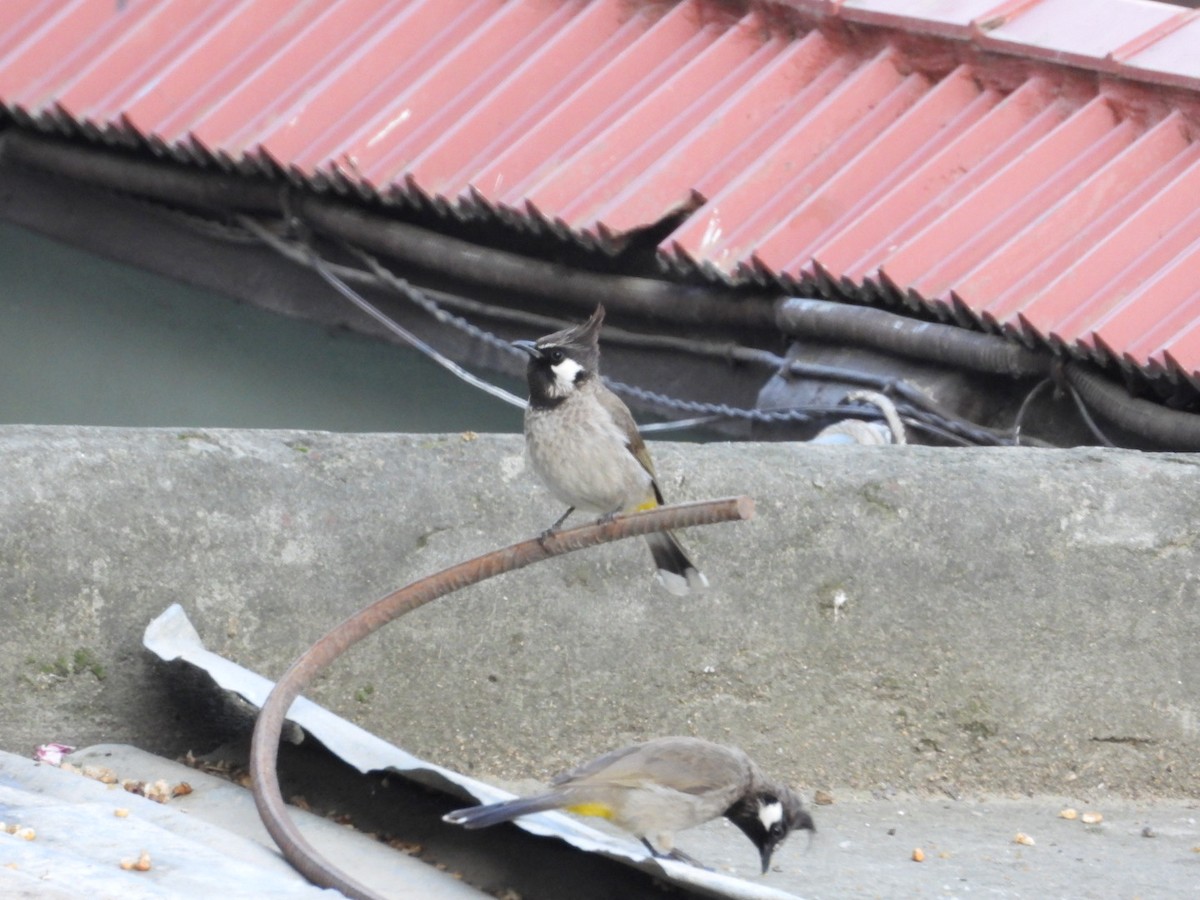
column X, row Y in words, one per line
column 1168, row 427
column 927, row 341
column 648, row 298
column 168, row 182
column 644, row 297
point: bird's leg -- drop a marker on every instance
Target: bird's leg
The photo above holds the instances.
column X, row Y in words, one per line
column 553, row 528
column 608, row 516
column 690, row 860
column 675, row 854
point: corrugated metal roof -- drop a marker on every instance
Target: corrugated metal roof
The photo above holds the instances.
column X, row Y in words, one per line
column 1020, row 166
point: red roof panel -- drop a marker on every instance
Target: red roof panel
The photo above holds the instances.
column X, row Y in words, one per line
column 446, row 162
column 932, row 262
column 585, row 114
column 892, row 156
column 1069, row 232
column 972, row 161
column 1016, row 164
column 652, row 126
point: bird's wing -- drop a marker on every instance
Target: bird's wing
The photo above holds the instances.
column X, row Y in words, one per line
column 623, row 419
column 684, row 764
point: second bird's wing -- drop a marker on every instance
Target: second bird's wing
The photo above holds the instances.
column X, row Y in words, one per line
column 688, row 765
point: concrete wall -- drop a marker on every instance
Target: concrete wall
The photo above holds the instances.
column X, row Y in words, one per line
column 983, row 620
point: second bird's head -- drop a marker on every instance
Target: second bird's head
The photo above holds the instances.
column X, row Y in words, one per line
column 768, row 817
column 560, row 362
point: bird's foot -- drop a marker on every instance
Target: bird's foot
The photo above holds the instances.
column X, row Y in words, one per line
column 553, row 529
column 677, row 855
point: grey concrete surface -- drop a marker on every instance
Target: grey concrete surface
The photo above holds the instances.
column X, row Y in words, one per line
column 945, row 622
column 865, row 849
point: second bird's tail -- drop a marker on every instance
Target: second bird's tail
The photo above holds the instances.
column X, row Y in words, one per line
column 504, row 811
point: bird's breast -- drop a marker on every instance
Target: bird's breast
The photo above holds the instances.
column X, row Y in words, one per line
column 583, row 457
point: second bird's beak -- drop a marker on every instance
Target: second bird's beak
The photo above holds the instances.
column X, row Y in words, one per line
column 529, row 347
column 766, row 857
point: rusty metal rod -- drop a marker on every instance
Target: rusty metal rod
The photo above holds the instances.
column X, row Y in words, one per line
column 264, row 748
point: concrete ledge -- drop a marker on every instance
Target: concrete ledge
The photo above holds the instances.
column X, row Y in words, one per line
column 916, row 618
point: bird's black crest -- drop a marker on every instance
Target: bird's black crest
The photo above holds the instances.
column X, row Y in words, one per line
column 581, row 342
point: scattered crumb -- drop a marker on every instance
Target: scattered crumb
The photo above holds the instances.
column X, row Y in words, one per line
column 1091, row 818
column 121, row 812
column 141, row 864
column 1022, row 838
column 25, row 834
column 823, row 798
column 918, row 855
column 103, row 774
column 469, row 436
column 1068, row 813
column 159, row 792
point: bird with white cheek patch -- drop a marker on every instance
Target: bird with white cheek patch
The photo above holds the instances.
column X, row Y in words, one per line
column 584, row 444
column 662, row 786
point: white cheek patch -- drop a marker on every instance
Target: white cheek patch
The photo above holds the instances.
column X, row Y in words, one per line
column 565, row 374
column 770, row 814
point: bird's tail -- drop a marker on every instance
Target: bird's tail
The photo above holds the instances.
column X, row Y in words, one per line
column 504, row 811
column 676, row 572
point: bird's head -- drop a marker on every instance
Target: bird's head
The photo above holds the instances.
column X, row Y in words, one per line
column 560, row 362
column 768, row 816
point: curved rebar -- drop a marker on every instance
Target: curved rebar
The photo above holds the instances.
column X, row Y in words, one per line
column 264, row 747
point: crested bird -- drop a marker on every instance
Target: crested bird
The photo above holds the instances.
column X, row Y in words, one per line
column 583, row 443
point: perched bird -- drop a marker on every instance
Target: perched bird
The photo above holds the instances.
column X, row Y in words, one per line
column 662, row 786
column 583, row 443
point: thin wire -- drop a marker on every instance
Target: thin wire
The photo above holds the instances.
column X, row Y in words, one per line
column 1087, row 417
column 1037, row 389
column 396, row 328
column 392, row 325
column 678, row 424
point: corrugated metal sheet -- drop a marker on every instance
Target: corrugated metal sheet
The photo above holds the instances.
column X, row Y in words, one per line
column 1019, row 166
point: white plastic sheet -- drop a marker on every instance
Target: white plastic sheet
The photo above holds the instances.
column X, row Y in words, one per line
column 171, row 636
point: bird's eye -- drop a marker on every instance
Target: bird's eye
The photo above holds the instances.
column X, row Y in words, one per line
column 555, row 356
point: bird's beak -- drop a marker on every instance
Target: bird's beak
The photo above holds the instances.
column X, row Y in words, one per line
column 529, row 347
column 766, row 857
